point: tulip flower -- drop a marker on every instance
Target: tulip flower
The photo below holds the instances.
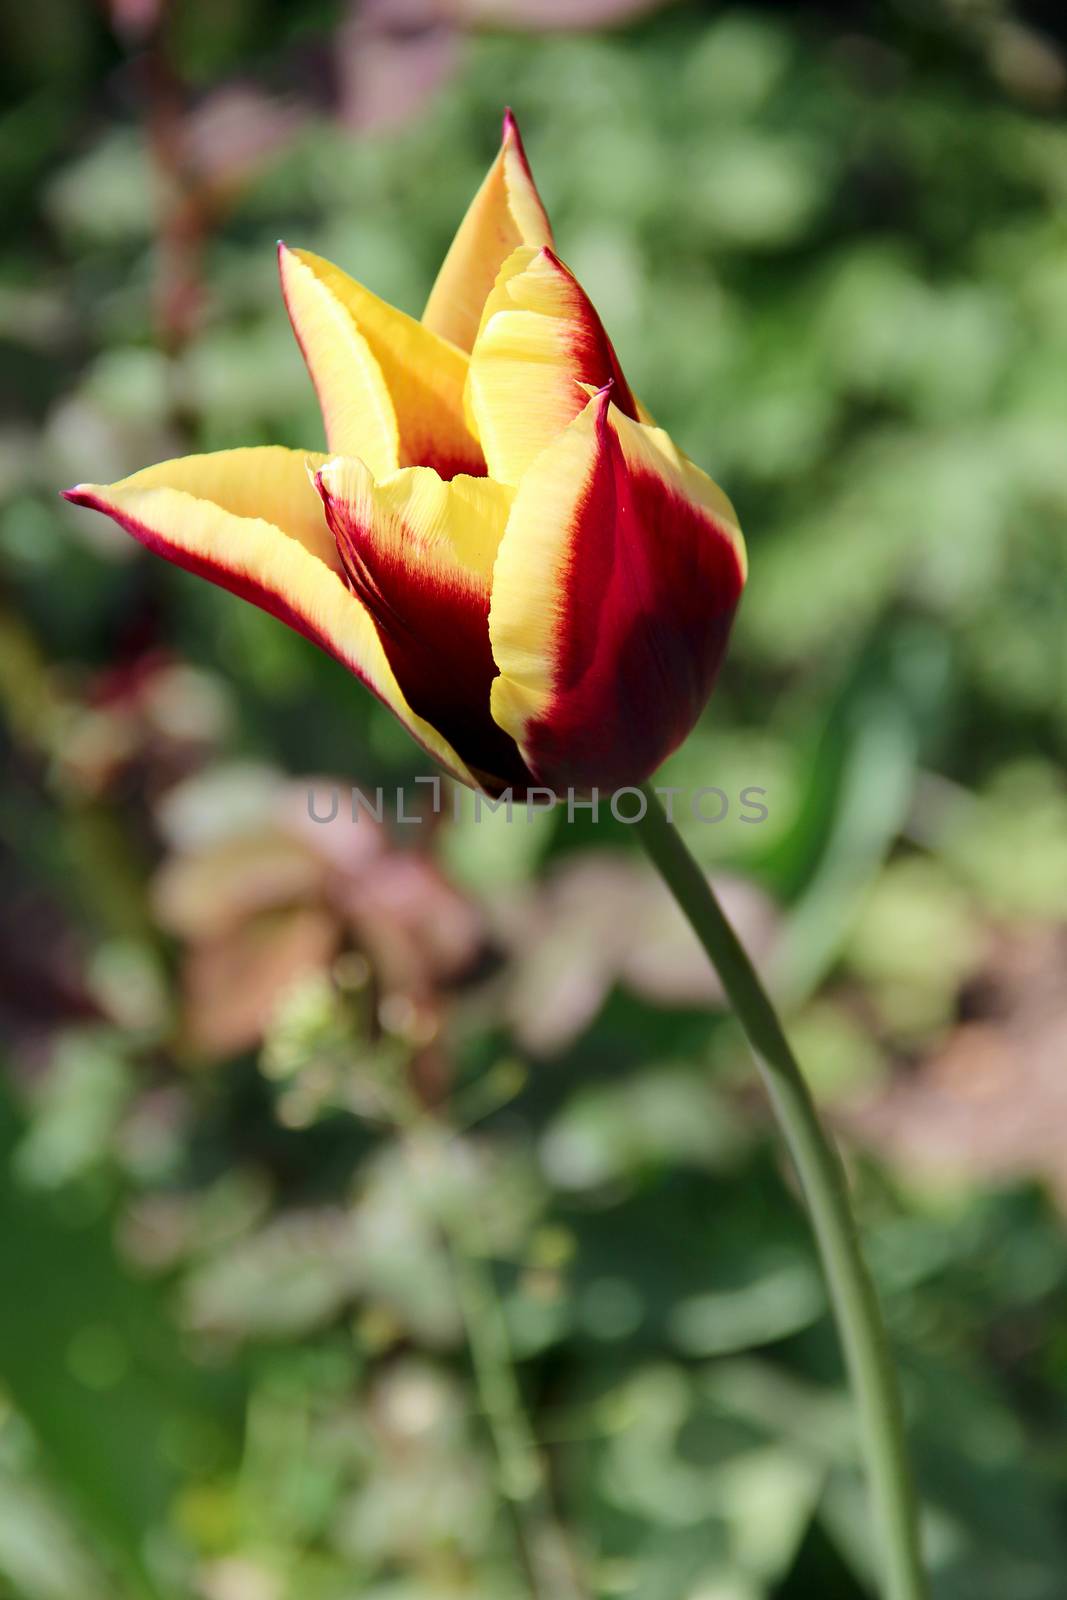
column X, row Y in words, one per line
column 498, row 541
column 539, row 584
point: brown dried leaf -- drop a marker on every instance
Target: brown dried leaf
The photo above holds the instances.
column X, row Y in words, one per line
column 419, row 931
column 233, row 984
column 991, row 1101
column 202, row 895
column 604, row 918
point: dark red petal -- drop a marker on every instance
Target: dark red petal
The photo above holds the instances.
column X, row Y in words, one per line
column 434, row 628
column 593, row 358
column 605, row 671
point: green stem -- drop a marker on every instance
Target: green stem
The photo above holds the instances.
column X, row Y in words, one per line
column 521, row 1477
column 822, row 1179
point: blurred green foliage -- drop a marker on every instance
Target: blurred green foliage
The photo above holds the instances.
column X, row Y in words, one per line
column 832, row 252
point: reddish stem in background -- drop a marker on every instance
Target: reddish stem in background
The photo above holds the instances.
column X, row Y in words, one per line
column 184, row 215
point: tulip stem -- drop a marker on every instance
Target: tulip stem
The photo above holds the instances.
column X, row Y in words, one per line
column 823, row 1181
column 521, row 1475
column 547, row 1562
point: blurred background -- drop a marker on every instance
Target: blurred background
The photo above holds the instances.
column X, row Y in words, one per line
column 336, row 1157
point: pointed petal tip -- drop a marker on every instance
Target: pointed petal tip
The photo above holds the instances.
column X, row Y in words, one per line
column 338, row 477
column 289, row 255
column 82, row 494
column 600, row 402
column 506, row 212
column 318, row 479
column 601, row 405
column 334, row 464
column 512, row 137
column 325, row 474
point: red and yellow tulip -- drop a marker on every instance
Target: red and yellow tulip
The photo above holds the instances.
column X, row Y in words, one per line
column 499, row 542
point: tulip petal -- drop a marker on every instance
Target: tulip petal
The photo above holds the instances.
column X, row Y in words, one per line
column 540, row 349
column 391, row 390
column 356, row 406
column 615, row 585
column 506, row 212
column 419, row 554
column 251, row 522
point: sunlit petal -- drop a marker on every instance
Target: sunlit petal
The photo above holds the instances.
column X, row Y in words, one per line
column 540, row 349
column 357, row 347
column 613, row 593
column 252, row 522
column 419, row 553
column 506, row 212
